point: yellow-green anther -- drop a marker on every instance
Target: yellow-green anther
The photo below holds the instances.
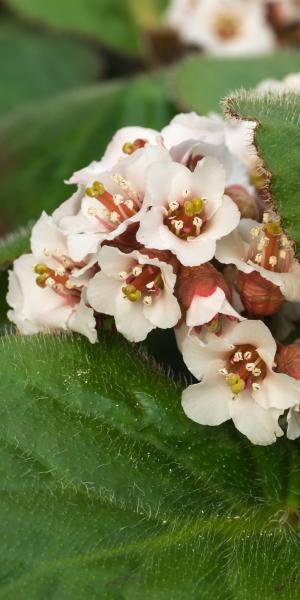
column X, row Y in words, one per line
column 131, row 293
column 188, row 208
column 98, row 187
column 40, row 269
column 213, row 326
column 128, row 148
column 41, row 280
column 198, row 205
column 274, row 228
column 90, row 192
column 236, row 383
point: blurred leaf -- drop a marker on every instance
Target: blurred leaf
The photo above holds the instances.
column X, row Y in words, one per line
column 200, row 83
column 110, row 22
column 278, row 141
column 34, row 65
column 13, row 245
column 42, row 146
column 110, row 492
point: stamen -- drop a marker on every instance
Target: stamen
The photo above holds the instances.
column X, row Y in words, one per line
column 147, row 300
column 122, row 275
column 137, row 270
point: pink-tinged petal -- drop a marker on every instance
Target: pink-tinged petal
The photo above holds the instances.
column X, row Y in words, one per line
column 180, row 335
column 45, row 234
column 83, row 321
column 293, row 419
column 114, row 150
column 278, row 391
column 112, row 261
column 203, row 309
column 258, row 424
column 80, row 245
column 198, row 356
column 35, row 309
column 164, row 312
column 233, row 248
column 190, row 126
column 207, row 403
column 135, row 167
column 211, row 179
column 86, row 176
column 166, row 182
column 102, row 292
column 151, row 230
column 257, row 334
column 131, row 321
column 190, row 253
column 70, row 207
column 225, row 220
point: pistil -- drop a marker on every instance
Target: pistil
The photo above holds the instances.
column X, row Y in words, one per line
column 143, row 282
column 185, row 218
column 245, row 369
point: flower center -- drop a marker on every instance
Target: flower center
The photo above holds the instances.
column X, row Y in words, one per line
column 131, row 147
column 227, row 26
column 244, row 369
column 58, row 280
column 113, row 208
column 270, row 248
column 186, row 218
column 143, row 282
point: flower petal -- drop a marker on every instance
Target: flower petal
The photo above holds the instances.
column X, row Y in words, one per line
column 258, row 424
column 102, row 292
column 207, row 402
column 164, row 312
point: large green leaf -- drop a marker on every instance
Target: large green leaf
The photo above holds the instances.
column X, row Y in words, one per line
column 201, row 82
column 42, row 146
column 114, row 23
column 109, row 492
column 278, row 141
column 36, row 65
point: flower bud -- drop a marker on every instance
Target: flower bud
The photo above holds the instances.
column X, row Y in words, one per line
column 259, row 296
column 288, row 360
column 245, row 202
column 199, row 281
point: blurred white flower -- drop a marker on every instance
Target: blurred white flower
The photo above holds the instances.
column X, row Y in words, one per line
column 224, row 27
column 291, row 83
column 138, row 291
column 187, row 211
column 238, row 381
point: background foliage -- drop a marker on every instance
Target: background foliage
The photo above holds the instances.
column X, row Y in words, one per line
column 107, row 490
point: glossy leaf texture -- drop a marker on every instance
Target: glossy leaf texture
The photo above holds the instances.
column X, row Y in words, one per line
column 278, row 140
column 108, row 491
column 200, row 83
column 43, row 145
column 112, row 23
column 31, row 65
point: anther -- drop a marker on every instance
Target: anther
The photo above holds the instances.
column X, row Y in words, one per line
column 122, row 275
column 273, row 261
column 147, row 300
column 136, row 271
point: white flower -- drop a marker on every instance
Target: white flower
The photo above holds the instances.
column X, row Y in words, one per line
column 188, row 211
column 266, row 249
column 291, row 83
column 124, row 143
column 44, row 300
column 238, row 381
column 224, row 27
column 136, row 290
column 106, row 202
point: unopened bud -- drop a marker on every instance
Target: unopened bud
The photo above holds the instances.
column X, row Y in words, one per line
column 288, row 360
column 259, row 296
column 199, row 281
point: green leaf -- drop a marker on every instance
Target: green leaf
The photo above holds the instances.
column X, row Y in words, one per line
column 13, row 245
column 110, row 22
column 31, row 65
column 201, row 82
column 43, row 145
column 278, row 141
column 108, row 491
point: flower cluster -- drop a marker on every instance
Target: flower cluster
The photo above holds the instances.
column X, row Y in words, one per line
column 169, row 230
column 234, row 27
